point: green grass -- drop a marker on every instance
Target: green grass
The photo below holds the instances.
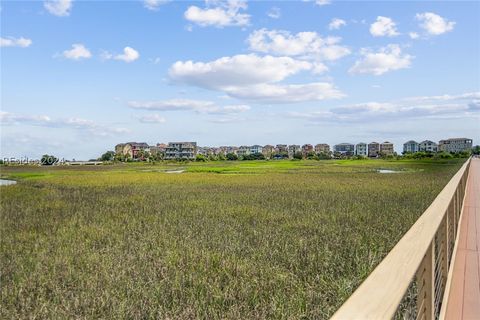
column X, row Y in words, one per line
column 264, row 239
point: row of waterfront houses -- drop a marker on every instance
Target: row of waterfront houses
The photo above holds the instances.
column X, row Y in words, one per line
column 189, row 150
column 453, row 145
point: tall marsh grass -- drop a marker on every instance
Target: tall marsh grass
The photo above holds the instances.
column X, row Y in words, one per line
column 240, row 241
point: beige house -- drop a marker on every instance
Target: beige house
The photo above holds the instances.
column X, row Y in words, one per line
column 131, row 149
column 322, row 148
column 268, row 150
column 386, row 148
column 455, row 145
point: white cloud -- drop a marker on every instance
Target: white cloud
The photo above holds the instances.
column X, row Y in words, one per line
column 387, row 59
column 445, row 97
column 129, row 55
column 319, row 68
column 219, row 13
column 154, row 4
column 152, row 118
column 384, row 26
column 289, row 93
column 413, row 35
column 274, row 13
column 199, row 106
column 78, row 52
column 59, row 8
column 319, row 2
column 8, row 118
column 280, row 42
column 434, row 24
column 336, row 24
column 15, row 42
column 239, row 70
column 464, row 105
column 251, row 77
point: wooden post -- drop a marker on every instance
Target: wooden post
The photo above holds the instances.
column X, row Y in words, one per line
column 426, row 285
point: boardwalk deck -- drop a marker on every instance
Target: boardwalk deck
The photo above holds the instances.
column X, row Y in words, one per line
column 464, row 295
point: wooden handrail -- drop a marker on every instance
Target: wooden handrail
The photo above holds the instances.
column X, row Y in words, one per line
column 380, row 295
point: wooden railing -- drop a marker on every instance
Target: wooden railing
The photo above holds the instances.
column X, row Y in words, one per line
column 410, row 281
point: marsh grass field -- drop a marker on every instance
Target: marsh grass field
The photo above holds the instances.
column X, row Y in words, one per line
column 216, row 240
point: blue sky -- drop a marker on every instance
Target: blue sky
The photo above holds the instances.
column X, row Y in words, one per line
column 78, row 77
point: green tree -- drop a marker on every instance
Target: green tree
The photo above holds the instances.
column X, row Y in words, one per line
column 108, row 156
column 324, row 156
column 298, row 155
column 200, row 158
column 48, row 160
column 311, row 155
column 231, row 156
column 476, row 150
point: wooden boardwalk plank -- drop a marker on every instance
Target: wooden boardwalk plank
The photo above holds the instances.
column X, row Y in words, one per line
column 471, row 295
column 455, row 301
column 464, row 295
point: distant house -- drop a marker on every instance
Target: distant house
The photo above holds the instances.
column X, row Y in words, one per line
column 455, row 145
column 228, row 149
column 181, row 150
column 427, row 146
column 256, row 149
column 322, row 148
column 386, row 148
column 119, row 148
column 306, row 149
column 373, row 149
column 268, row 150
column 243, row 151
column 346, row 149
column 410, row 147
column 281, row 148
column 361, row 149
column 292, row 149
column 158, row 149
column 132, row 149
column 204, row 151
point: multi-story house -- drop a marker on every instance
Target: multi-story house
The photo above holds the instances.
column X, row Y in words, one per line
column 243, row 151
column 132, row 149
column 361, row 149
column 346, row 149
column 292, row 149
column 256, row 149
column 203, row 151
column 158, row 149
column 386, row 148
column 322, row 148
column 181, row 150
column 373, row 149
column 281, row 148
column 410, row 147
column 119, row 148
column 228, row 149
column 427, row 146
column 455, row 145
column 306, row 149
column 268, row 150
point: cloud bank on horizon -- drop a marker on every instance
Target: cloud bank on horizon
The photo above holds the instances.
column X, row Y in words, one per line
column 210, row 70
